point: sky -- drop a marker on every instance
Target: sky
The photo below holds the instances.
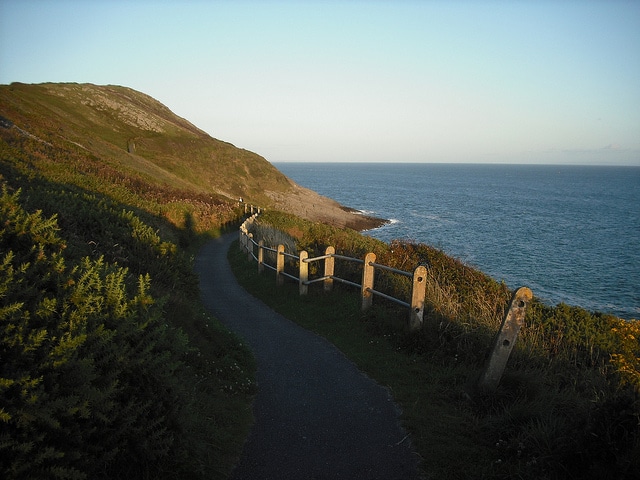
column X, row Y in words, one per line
column 358, row 81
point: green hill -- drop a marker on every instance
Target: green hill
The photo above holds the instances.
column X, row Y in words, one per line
column 121, row 136
column 110, row 366
column 135, row 134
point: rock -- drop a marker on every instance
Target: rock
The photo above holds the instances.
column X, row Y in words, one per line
column 312, row 206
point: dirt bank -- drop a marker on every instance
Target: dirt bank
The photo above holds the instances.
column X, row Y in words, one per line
column 310, row 205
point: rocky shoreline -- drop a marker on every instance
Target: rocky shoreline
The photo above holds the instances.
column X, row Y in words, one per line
column 312, row 206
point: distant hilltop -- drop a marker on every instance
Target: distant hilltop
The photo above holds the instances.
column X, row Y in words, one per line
column 135, row 135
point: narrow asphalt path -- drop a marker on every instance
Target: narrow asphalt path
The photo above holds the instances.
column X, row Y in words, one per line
column 317, row 416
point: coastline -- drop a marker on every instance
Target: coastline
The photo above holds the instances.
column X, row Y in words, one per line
column 364, row 222
column 310, row 205
column 569, row 231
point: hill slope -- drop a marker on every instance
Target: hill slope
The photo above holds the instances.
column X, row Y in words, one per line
column 110, row 366
column 119, row 132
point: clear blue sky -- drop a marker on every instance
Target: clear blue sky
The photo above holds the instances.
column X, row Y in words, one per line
column 411, row 81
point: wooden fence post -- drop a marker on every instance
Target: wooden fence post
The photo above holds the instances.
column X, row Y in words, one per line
column 417, row 298
column 250, row 246
column 505, row 340
column 304, row 273
column 280, row 265
column 368, row 272
column 329, row 266
column 260, row 256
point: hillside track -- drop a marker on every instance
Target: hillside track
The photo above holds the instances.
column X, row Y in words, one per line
column 316, row 415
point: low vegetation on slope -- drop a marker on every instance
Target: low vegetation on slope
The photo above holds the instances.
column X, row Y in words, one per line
column 110, row 367
column 147, row 156
column 116, row 131
column 568, row 405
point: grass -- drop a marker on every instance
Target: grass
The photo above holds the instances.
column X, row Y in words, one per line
column 104, row 121
column 436, row 412
column 568, row 405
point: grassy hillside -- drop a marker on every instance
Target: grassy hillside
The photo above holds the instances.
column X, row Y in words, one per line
column 137, row 136
column 92, row 136
column 110, row 367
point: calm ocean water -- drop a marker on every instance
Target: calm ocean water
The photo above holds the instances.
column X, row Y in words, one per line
column 570, row 233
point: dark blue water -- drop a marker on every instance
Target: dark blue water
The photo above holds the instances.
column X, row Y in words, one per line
column 570, row 233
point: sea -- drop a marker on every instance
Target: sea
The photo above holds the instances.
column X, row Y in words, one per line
column 570, row 233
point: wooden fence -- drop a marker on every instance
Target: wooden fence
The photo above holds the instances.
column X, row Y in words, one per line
column 504, row 340
column 256, row 251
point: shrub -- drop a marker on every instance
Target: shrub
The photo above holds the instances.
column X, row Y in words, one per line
column 87, row 379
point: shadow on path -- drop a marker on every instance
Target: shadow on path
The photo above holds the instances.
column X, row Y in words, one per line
column 317, row 416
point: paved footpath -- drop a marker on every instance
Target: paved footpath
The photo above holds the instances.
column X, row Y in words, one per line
column 316, row 415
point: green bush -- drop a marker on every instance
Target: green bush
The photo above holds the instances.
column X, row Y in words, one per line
column 88, row 383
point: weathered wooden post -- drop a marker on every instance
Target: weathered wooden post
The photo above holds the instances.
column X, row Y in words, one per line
column 505, row 340
column 329, row 266
column 280, row 265
column 250, row 246
column 417, row 298
column 304, row 273
column 368, row 272
column 260, row 256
